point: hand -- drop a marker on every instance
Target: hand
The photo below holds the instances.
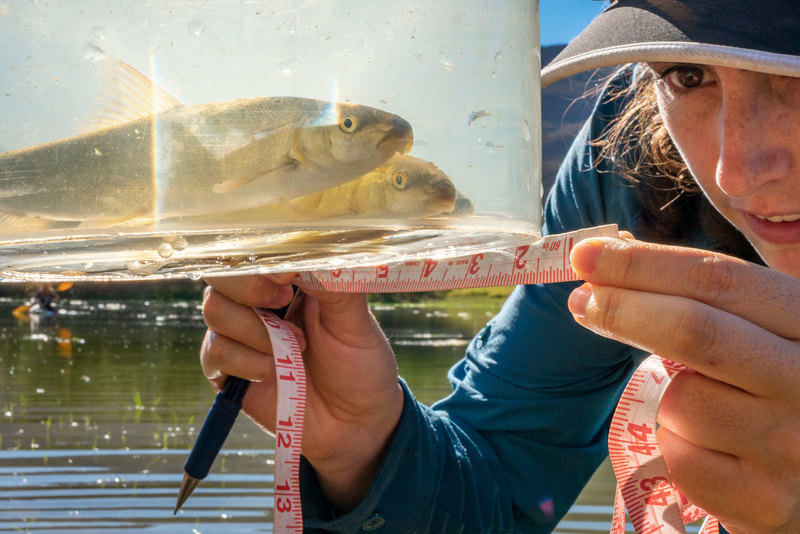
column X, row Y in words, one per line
column 730, row 431
column 353, row 398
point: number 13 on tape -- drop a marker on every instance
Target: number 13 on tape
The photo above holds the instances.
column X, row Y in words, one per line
column 291, row 381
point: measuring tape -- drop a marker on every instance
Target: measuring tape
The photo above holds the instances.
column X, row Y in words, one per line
column 643, row 483
column 291, row 377
column 643, row 486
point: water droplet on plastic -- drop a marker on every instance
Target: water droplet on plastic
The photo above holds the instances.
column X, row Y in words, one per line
column 143, row 267
column 196, row 27
column 165, row 250
column 195, row 275
column 180, row 243
column 94, row 52
column 526, row 130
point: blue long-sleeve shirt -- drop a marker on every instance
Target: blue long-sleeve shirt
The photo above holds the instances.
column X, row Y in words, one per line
column 527, row 422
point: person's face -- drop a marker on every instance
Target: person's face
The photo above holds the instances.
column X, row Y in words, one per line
column 739, row 133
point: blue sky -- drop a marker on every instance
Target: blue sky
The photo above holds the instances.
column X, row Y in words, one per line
column 561, row 20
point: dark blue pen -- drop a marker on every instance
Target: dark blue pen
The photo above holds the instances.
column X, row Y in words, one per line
column 218, row 424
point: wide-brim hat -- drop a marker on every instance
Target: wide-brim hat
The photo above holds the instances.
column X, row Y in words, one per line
column 757, row 35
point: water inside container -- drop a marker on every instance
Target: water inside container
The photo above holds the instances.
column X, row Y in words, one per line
column 151, row 139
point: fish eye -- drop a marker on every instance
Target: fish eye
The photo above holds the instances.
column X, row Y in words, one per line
column 400, row 180
column 348, row 124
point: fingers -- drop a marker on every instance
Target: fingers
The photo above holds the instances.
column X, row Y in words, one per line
column 760, row 295
column 744, row 497
column 221, row 356
column 715, row 416
column 713, row 342
column 236, row 321
column 737, row 328
column 344, row 317
column 256, row 291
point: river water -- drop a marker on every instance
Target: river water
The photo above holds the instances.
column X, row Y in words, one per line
column 100, row 405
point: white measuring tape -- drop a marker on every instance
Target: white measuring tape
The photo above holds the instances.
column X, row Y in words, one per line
column 291, row 376
column 643, row 484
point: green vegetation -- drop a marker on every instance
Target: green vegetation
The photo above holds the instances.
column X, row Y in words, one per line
column 489, row 298
column 191, row 291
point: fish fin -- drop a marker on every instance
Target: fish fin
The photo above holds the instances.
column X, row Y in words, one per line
column 125, row 95
column 238, row 180
column 21, row 222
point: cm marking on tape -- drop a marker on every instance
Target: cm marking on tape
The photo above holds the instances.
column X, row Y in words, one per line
column 651, row 500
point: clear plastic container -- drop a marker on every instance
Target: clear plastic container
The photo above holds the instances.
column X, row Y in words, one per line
column 152, row 138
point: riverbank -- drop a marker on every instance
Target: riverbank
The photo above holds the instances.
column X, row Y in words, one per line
column 191, row 291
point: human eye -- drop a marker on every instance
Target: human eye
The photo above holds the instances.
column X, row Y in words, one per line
column 683, row 77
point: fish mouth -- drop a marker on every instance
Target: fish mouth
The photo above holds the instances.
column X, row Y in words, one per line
column 444, row 190
column 444, row 206
column 400, row 136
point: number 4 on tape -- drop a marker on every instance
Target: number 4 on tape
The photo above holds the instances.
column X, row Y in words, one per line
column 521, row 263
column 643, row 486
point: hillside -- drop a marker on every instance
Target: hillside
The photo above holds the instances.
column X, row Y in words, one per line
column 565, row 106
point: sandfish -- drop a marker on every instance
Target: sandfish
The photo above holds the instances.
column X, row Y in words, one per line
column 405, row 186
column 194, row 160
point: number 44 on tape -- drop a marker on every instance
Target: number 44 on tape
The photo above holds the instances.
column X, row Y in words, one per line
column 653, row 504
column 643, row 487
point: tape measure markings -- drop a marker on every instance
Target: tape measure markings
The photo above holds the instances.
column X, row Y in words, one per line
column 290, row 416
column 643, row 486
column 542, row 262
column 653, row 504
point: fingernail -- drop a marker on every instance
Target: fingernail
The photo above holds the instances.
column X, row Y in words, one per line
column 583, row 257
column 578, row 300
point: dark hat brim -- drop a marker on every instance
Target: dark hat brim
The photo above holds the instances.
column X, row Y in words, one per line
column 762, row 36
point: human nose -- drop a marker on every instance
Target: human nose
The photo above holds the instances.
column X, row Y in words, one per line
column 756, row 131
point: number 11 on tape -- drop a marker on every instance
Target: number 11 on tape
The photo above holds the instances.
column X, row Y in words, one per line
column 524, row 263
column 291, row 379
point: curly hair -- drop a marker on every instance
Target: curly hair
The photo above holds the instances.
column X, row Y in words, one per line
column 638, row 147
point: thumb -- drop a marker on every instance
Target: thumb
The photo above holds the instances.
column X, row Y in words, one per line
column 344, row 316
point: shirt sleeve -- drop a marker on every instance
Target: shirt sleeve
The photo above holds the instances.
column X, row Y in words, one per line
column 526, row 424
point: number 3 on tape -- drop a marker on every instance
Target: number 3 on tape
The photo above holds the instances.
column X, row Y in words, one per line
column 520, row 263
column 643, row 486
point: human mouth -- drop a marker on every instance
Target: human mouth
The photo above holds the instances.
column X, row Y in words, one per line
column 780, row 218
column 776, row 229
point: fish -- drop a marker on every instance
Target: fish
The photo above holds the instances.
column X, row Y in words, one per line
column 406, row 186
column 151, row 157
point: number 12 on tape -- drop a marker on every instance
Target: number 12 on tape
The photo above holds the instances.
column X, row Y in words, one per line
column 291, row 381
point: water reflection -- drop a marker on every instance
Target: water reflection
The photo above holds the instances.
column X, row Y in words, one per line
column 100, row 404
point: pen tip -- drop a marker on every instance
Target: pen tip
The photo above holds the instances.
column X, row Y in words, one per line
column 188, row 484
